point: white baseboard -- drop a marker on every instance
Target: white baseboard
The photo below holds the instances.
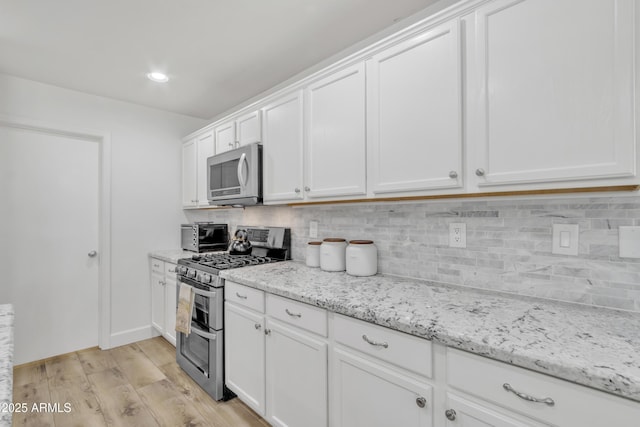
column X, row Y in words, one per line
column 132, row 335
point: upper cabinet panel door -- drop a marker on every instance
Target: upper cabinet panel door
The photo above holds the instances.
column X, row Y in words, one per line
column 551, row 91
column 414, row 114
column 282, row 149
column 225, row 135
column 205, row 150
column 335, row 152
column 249, row 128
column 189, row 162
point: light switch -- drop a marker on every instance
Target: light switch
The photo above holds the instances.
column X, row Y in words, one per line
column 565, row 239
column 629, row 242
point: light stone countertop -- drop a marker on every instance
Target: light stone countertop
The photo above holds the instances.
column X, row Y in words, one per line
column 592, row 346
column 171, row 255
column 6, row 361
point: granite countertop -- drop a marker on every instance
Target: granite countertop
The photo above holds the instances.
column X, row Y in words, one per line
column 6, row 361
column 171, row 255
column 592, row 346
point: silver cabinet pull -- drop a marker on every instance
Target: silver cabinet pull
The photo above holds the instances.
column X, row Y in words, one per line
column 421, row 402
column 292, row 314
column 267, row 331
column 450, row 414
column 297, row 190
column 480, row 172
column 307, row 189
column 378, row 344
column 453, row 174
column 241, row 296
column 547, row 400
column 258, row 326
column 92, row 254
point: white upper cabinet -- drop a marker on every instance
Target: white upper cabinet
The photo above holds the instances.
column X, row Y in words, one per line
column 194, row 170
column 225, row 135
column 335, row 152
column 414, row 114
column 551, row 92
column 189, row 174
column 205, row 150
column 249, row 128
column 282, row 149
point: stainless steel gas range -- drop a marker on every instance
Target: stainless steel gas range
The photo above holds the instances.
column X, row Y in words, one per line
column 201, row 353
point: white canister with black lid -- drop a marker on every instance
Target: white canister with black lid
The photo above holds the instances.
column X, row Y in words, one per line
column 313, row 254
column 361, row 258
column 332, row 254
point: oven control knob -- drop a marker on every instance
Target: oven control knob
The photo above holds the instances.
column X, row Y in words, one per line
column 206, row 278
column 191, row 273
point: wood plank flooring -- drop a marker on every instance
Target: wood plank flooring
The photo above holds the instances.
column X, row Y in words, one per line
column 136, row 385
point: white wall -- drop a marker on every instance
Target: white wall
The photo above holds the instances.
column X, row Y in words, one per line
column 145, row 183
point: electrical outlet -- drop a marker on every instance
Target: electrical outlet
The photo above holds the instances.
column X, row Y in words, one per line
column 313, row 229
column 457, row 235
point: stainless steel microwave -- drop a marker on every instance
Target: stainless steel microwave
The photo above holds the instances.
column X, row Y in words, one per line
column 235, row 177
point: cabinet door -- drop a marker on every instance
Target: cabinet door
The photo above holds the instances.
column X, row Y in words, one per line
column 366, row 394
column 249, row 128
column 157, row 302
column 335, row 152
column 414, row 113
column 244, row 355
column 189, row 188
column 225, row 136
column 170, row 306
column 282, row 149
column 463, row 413
column 296, row 377
column 551, row 98
column 205, row 150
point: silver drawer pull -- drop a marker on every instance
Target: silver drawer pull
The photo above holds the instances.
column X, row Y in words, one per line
column 241, row 296
column 379, row 344
column 292, row 314
column 546, row 400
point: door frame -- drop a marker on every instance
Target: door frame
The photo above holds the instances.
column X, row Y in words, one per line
column 104, row 207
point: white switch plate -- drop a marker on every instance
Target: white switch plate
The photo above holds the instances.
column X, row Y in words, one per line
column 457, row 235
column 629, row 242
column 313, row 229
column 565, row 239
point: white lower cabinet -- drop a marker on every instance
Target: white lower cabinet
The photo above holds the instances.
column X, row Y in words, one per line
column 163, row 298
column 368, row 394
column 298, row 366
column 278, row 368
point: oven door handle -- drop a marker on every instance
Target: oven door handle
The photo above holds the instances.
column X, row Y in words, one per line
column 202, row 333
column 206, row 294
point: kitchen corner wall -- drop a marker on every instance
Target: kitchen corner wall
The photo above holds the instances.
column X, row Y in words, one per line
column 508, row 242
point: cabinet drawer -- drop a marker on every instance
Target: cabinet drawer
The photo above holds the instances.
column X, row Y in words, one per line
column 303, row 315
column 157, row 266
column 170, row 269
column 572, row 404
column 403, row 350
column 244, row 295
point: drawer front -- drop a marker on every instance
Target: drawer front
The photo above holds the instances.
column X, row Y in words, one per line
column 403, row 350
column 572, row 404
column 170, row 270
column 157, row 266
column 244, row 296
column 296, row 313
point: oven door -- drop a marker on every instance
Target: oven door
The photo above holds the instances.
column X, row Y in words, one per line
column 200, row 354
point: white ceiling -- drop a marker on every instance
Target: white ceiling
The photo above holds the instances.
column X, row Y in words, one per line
column 218, row 53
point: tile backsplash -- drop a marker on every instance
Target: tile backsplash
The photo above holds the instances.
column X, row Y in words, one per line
column 508, row 242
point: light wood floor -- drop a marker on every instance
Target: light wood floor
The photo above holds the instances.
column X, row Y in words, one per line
column 136, row 385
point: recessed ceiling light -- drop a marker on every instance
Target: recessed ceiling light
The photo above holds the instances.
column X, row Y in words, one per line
column 158, row 77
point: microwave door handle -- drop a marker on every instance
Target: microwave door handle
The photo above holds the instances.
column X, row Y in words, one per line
column 241, row 163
